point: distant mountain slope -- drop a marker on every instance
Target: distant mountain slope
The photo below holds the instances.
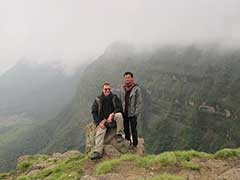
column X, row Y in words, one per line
column 191, row 96
column 36, row 90
column 30, row 95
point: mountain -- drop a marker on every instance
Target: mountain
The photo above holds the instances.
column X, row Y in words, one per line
column 190, row 93
column 35, row 90
column 30, row 95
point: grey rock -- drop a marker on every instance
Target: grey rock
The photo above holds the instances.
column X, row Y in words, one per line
column 90, row 137
column 41, row 165
column 112, row 147
column 70, row 154
column 111, row 151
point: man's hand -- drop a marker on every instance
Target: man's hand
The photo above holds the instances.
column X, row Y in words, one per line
column 101, row 124
column 110, row 118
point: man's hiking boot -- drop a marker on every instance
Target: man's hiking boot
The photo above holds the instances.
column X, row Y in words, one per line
column 119, row 138
column 132, row 148
column 96, row 155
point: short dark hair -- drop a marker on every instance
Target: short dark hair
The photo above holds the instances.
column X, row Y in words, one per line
column 106, row 84
column 128, row 73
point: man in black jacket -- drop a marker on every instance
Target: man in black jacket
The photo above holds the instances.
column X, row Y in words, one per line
column 106, row 111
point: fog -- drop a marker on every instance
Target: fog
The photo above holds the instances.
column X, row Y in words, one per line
column 73, row 31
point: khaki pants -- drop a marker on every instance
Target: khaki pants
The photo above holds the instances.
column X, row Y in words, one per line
column 100, row 133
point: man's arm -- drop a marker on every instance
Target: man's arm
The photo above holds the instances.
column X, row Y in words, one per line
column 95, row 115
column 117, row 108
column 139, row 102
column 118, row 105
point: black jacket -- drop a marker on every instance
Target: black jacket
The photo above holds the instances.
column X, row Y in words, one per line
column 105, row 105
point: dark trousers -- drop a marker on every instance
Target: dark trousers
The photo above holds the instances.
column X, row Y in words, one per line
column 131, row 122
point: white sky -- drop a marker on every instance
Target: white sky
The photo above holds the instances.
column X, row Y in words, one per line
column 74, row 30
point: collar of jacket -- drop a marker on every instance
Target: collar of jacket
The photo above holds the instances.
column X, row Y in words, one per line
column 132, row 91
column 103, row 96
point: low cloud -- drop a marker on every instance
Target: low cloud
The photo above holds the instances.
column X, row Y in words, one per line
column 74, row 31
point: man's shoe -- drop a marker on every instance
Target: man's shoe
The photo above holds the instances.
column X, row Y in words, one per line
column 132, row 149
column 96, row 155
column 119, row 138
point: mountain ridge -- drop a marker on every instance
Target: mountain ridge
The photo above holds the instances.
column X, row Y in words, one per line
column 187, row 92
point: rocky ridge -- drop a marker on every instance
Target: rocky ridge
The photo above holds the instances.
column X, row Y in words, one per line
column 177, row 165
column 118, row 163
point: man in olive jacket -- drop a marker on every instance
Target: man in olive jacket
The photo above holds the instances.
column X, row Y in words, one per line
column 106, row 111
column 130, row 95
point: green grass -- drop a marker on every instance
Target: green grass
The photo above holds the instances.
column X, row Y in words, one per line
column 26, row 164
column 22, row 178
column 72, row 168
column 190, row 165
column 129, row 157
column 164, row 177
column 164, row 159
column 68, row 176
column 227, row 153
column 170, row 158
column 42, row 174
column 107, row 166
column 3, row 175
column 188, row 155
column 69, row 169
column 148, row 161
column 38, row 157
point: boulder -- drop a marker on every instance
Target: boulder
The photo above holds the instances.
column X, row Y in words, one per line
column 110, row 139
column 22, row 158
column 70, row 154
column 111, row 146
column 40, row 165
column 111, row 151
column 90, row 137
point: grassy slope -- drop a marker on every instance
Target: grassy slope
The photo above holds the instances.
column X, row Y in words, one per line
column 175, row 165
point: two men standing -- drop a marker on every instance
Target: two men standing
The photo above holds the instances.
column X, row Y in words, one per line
column 122, row 112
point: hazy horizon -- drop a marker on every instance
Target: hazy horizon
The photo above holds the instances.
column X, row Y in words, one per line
column 73, row 31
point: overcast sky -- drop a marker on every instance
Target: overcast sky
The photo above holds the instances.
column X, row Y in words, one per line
column 74, row 30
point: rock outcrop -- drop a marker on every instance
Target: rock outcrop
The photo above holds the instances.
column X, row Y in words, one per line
column 177, row 165
column 112, row 148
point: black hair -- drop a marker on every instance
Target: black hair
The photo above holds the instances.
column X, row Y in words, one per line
column 128, row 73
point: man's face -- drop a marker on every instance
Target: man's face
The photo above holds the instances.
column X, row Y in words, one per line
column 106, row 90
column 128, row 78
